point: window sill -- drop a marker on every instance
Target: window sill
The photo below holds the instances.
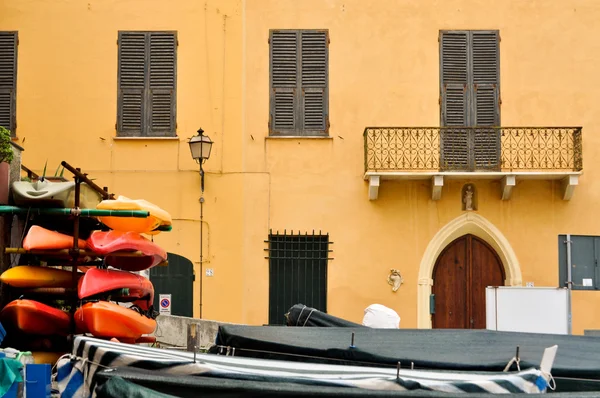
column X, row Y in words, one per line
column 299, row 137
column 176, row 138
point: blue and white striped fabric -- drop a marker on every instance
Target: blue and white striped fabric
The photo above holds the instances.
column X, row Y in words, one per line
column 76, row 375
column 69, row 377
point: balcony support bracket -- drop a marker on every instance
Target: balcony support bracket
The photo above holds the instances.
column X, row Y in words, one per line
column 437, row 182
column 568, row 186
column 508, row 183
column 373, row 187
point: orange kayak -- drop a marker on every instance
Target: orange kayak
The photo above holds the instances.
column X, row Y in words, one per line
column 104, row 319
column 39, row 238
column 33, row 317
column 105, row 243
column 32, row 276
column 106, row 282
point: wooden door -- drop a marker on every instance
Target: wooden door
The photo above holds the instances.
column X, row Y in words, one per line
column 462, row 272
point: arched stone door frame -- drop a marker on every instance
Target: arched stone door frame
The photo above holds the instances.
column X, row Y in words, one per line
column 468, row 223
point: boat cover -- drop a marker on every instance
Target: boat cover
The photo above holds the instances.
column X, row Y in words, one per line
column 301, row 315
column 127, row 382
column 467, row 350
column 77, row 374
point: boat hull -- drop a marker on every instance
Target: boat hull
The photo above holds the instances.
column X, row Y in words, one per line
column 107, row 320
column 105, row 243
column 33, row 317
column 53, row 194
column 158, row 217
column 32, row 277
column 39, row 238
column 98, row 282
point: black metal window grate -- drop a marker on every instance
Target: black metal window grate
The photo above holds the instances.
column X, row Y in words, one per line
column 297, row 272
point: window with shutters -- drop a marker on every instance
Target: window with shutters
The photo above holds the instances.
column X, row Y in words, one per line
column 8, row 80
column 147, row 84
column 470, row 97
column 299, row 83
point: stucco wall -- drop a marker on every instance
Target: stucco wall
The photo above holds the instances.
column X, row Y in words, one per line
column 383, row 71
column 66, row 110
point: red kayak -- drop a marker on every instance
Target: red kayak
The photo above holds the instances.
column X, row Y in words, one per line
column 33, row 317
column 107, row 243
column 120, row 285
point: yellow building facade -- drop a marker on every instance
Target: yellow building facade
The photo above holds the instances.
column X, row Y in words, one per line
column 349, row 155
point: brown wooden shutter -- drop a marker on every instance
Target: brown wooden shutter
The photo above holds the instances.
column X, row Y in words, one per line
column 162, row 83
column 132, row 83
column 8, row 80
column 454, row 74
column 314, row 83
column 486, row 110
column 284, row 65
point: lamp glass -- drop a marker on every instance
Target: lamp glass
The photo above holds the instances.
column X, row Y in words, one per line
column 200, row 147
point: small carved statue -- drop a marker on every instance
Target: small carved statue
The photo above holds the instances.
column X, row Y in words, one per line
column 395, row 279
column 468, row 200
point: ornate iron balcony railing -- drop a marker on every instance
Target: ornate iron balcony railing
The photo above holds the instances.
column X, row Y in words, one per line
column 545, row 149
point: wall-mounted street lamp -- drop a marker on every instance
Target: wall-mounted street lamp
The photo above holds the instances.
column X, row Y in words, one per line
column 200, row 146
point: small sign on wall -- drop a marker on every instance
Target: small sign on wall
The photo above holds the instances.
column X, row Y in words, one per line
column 165, row 304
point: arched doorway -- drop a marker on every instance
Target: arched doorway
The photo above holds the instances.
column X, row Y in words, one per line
column 462, row 272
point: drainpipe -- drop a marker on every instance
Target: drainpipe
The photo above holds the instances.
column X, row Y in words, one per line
column 569, row 285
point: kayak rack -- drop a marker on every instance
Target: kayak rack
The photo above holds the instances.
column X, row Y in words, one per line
column 74, row 256
column 81, row 252
column 63, row 252
column 74, row 212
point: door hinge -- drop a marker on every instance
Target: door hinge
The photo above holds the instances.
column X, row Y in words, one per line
column 193, row 276
column 432, row 304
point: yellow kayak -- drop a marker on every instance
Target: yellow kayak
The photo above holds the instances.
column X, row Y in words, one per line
column 31, row 276
column 158, row 217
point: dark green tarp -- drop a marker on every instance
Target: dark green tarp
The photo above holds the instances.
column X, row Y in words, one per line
column 301, row 315
column 117, row 387
column 578, row 357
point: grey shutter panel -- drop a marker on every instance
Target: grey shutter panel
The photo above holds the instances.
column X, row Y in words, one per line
column 486, row 79
column 132, row 83
column 454, row 73
column 284, row 83
column 162, row 83
column 8, row 80
column 314, row 76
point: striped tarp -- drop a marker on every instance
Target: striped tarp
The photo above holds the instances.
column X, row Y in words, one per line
column 76, row 373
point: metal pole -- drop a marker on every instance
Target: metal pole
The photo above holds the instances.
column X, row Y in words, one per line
column 201, row 240
column 569, row 285
column 75, row 249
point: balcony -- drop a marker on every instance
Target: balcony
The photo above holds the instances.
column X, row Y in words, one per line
column 505, row 153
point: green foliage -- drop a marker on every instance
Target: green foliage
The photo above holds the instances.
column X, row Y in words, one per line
column 6, row 153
